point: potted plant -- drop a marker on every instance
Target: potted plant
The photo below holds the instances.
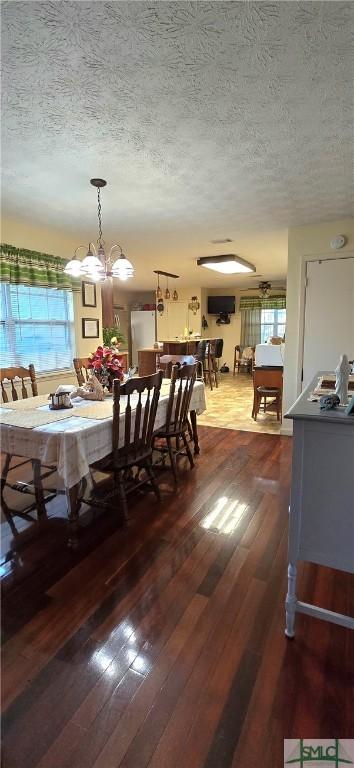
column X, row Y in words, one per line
column 112, row 337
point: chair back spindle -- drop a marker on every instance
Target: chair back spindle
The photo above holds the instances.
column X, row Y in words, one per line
column 147, row 391
column 182, row 383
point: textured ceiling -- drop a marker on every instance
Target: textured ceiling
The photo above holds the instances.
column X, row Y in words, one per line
column 208, row 119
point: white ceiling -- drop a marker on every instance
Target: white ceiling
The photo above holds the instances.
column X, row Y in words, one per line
column 208, row 119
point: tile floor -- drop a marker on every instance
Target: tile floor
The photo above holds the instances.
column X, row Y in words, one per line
column 230, row 406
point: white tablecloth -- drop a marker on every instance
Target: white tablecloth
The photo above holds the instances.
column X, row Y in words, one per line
column 74, row 443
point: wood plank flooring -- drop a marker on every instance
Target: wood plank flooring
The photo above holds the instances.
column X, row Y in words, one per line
column 162, row 645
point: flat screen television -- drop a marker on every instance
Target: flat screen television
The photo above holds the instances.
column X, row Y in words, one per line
column 221, row 305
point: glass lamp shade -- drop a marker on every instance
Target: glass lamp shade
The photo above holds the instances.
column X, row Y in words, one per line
column 175, row 295
column 158, row 293
column 97, row 277
column 91, row 264
column 167, row 294
column 122, row 268
column 73, row 268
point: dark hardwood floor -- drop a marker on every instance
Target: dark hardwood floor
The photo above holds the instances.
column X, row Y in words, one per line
column 162, row 645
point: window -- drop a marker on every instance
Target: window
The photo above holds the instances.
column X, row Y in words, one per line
column 273, row 323
column 37, row 326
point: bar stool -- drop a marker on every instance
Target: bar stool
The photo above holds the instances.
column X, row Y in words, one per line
column 210, row 369
column 266, row 393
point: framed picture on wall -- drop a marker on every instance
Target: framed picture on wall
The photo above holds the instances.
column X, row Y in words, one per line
column 90, row 328
column 89, row 294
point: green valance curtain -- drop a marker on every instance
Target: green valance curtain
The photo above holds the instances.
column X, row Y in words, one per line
column 20, row 266
column 255, row 302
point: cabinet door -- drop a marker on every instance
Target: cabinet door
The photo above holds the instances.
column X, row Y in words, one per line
column 329, row 315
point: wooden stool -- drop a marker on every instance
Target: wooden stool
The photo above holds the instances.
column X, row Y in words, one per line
column 265, row 393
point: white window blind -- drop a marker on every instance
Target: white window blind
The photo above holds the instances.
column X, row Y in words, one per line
column 273, row 323
column 37, row 326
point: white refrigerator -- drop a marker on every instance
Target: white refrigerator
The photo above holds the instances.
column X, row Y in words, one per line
column 143, row 331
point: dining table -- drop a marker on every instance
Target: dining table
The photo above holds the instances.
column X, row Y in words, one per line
column 74, row 438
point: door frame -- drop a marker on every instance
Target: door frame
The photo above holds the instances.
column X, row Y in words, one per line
column 306, row 261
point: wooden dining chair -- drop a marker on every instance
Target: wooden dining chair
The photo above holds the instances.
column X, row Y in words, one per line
column 81, row 369
column 166, row 363
column 243, row 363
column 167, row 439
column 267, row 386
column 14, row 382
column 134, row 412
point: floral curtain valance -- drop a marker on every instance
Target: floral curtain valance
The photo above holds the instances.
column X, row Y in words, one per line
column 255, row 302
column 22, row 267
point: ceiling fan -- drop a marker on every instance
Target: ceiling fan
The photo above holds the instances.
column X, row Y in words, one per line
column 264, row 287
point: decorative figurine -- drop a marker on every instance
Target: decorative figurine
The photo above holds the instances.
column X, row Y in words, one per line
column 342, row 379
column 92, row 390
column 327, row 402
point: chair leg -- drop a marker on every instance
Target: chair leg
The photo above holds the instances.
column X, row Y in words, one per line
column 188, row 450
column 38, row 488
column 256, row 406
column 172, row 459
column 4, row 474
column 278, row 408
column 119, row 482
column 150, row 471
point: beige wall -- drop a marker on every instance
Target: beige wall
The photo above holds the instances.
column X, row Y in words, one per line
column 22, row 235
column 189, row 319
column 305, row 244
column 229, row 333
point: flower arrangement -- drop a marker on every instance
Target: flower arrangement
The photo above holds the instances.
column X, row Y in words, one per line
column 106, row 364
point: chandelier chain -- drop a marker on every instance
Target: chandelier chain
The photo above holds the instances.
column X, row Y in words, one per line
column 99, row 209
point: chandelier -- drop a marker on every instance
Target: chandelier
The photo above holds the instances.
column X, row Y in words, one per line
column 97, row 265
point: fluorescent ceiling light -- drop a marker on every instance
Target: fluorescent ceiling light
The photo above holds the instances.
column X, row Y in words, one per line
column 228, row 264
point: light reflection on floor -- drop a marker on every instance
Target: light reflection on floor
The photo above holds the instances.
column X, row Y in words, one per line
column 225, row 516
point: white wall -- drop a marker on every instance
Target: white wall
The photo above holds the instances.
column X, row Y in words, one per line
column 305, row 244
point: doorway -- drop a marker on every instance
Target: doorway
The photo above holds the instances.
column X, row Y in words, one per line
column 329, row 315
